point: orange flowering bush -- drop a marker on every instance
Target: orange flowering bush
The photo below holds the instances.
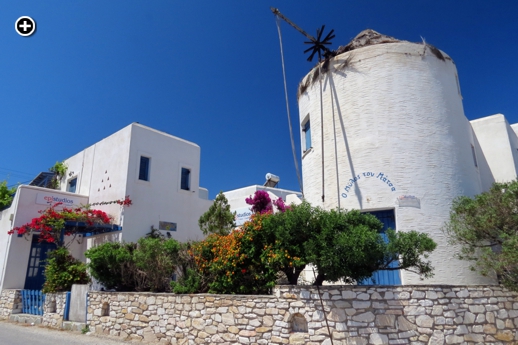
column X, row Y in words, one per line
column 247, row 260
column 229, row 266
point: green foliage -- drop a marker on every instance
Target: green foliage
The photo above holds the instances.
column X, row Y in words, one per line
column 62, row 271
column 155, row 233
column 145, row 266
column 85, row 329
column 218, row 219
column 189, row 278
column 485, row 229
column 342, row 245
column 190, row 282
column 59, row 169
column 6, row 195
column 349, row 246
column 157, row 259
column 112, row 264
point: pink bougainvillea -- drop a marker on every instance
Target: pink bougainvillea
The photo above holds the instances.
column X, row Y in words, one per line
column 261, row 203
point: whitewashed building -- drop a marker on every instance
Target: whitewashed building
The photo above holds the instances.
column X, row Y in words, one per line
column 236, row 199
column 396, row 142
column 159, row 172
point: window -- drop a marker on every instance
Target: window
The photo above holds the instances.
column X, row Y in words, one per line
column 143, row 173
column 307, row 135
column 72, row 185
column 474, row 155
column 458, row 84
column 186, row 179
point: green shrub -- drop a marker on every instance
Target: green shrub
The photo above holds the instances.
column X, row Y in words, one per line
column 6, row 195
column 62, row 271
column 112, row 265
column 190, row 282
column 144, row 266
column 156, row 259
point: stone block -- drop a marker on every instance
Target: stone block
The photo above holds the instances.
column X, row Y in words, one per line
column 378, row 339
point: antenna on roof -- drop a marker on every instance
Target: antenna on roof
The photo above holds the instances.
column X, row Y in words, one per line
column 318, row 45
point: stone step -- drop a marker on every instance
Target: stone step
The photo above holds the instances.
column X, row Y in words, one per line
column 26, row 318
column 73, row 326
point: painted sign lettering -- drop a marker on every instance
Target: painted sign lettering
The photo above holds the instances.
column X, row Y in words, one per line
column 368, row 174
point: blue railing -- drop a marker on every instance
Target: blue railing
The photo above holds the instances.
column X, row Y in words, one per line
column 32, row 302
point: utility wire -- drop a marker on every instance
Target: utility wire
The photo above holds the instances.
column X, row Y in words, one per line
column 288, row 106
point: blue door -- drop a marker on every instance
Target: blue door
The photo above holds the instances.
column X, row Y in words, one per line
column 388, row 219
column 37, row 261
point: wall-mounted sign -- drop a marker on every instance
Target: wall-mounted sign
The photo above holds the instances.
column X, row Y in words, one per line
column 242, row 215
column 409, row 201
column 51, row 199
column 167, row 226
column 365, row 175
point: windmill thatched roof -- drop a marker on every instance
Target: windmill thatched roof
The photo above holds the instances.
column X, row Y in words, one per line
column 365, row 38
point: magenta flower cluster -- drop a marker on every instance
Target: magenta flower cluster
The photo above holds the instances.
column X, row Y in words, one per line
column 261, row 203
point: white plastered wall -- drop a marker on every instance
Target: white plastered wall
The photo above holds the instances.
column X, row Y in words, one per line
column 14, row 250
column 499, row 145
column 395, row 112
column 161, row 198
column 102, row 171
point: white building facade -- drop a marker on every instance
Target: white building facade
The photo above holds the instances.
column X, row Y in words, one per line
column 395, row 141
column 236, row 199
column 160, row 174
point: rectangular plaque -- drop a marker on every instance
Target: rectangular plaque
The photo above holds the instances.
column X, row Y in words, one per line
column 167, row 226
column 409, row 201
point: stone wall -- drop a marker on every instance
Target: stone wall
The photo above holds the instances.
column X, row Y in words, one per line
column 416, row 315
column 10, row 303
column 54, row 309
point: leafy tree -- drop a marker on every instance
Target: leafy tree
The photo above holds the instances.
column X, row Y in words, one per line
column 280, row 240
column 218, row 219
column 349, row 245
column 486, row 229
column 342, row 245
column 6, row 195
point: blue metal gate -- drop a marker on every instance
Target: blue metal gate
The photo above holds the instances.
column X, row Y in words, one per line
column 388, row 219
column 32, row 302
column 37, row 260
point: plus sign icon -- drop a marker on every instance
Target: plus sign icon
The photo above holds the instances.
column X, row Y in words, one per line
column 25, row 26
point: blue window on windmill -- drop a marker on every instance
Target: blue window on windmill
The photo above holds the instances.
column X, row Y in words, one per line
column 307, row 135
column 387, row 217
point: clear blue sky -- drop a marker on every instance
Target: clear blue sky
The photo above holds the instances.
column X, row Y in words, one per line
column 210, row 72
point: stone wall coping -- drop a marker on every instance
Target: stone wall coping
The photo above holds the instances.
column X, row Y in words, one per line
column 165, row 294
column 420, row 287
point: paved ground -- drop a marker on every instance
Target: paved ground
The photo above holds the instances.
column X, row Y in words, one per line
column 23, row 334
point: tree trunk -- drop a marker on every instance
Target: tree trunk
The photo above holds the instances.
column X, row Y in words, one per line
column 319, row 280
column 293, row 274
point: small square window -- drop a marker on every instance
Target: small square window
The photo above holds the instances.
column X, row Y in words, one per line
column 186, row 179
column 71, row 187
column 143, row 173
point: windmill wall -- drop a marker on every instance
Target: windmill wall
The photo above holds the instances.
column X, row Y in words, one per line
column 394, row 137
